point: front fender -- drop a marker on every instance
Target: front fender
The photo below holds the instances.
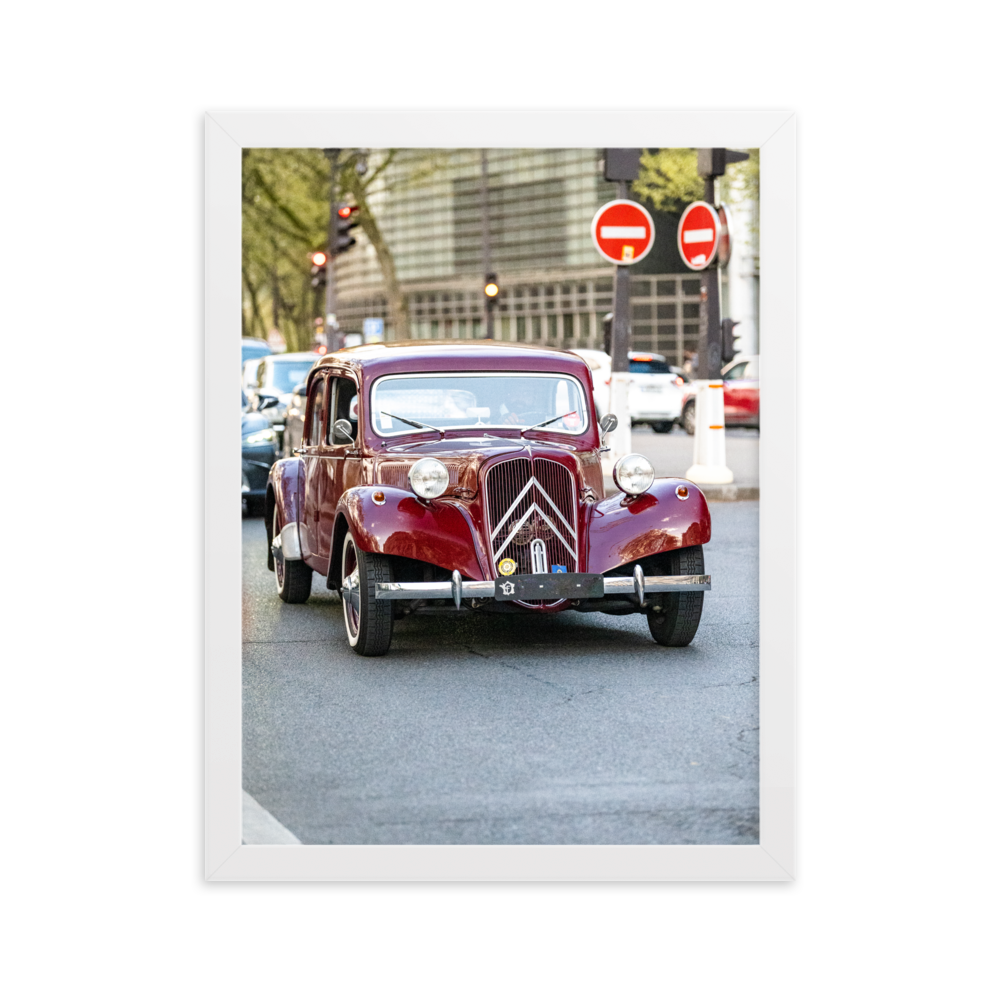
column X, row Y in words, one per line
column 432, row 532
column 623, row 529
column 285, row 491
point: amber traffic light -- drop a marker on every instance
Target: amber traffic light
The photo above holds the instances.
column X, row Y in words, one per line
column 491, row 289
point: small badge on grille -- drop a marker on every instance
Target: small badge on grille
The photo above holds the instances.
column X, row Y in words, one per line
column 558, row 569
column 506, row 567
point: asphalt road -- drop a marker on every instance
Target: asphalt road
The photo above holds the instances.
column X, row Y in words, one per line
column 673, row 454
column 475, row 729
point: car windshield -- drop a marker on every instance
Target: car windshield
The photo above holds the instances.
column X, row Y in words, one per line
column 288, row 374
column 480, row 402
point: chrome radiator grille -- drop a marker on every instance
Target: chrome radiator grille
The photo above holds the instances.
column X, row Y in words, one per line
column 527, row 501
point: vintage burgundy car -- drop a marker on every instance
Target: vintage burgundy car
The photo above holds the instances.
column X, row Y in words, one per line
column 466, row 476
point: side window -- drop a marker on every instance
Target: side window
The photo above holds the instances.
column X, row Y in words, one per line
column 345, row 408
column 314, row 415
column 736, row 371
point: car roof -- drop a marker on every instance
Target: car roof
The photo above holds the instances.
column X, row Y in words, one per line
column 453, row 355
column 296, row 356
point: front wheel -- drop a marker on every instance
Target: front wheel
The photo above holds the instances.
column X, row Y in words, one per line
column 368, row 621
column 676, row 623
column 293, row 576
column 688, row 418
column 663, row 426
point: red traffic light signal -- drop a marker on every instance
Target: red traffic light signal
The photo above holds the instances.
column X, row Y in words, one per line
column 318, row 259
column 344, row 222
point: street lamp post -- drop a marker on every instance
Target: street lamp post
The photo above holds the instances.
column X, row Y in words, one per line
column 334, row 341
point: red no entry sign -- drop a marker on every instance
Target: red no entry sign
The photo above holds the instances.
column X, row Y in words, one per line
column 725, row 238
column 623, row 232
column 698, row 235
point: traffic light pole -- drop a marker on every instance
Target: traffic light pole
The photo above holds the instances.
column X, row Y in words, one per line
column 709, row 464
column 334, row 340
column 620, row 324
column 621, row 438
column 709, row 319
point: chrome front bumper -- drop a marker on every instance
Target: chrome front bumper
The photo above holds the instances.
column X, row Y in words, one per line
column 541, row 586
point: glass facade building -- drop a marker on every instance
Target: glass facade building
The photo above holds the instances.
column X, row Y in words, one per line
column 555, row 288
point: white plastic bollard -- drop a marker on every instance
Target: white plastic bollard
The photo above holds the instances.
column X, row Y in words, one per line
column 620, row 439
column 710, row 435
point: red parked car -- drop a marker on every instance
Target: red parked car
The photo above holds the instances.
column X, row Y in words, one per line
column 741, row 391
column 464, row 477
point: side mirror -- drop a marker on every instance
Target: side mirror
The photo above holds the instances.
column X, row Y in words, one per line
column 266, row 402
column 342, row 430
column 608, row 423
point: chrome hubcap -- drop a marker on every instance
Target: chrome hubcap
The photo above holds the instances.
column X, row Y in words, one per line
column 279, row 556
column 351, row 590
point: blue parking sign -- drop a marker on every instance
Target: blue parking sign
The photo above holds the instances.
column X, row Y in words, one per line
column 374, row 330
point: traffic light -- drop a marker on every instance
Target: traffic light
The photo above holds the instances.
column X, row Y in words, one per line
column 344, row 221
column 712, row 162
column 491, row 290
column 728, row 340
column 318, row 259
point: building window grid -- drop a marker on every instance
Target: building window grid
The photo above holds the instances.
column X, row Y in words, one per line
column 660, row 322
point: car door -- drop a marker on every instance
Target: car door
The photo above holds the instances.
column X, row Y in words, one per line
column 341, row 457
column 350, row 467
column 314, row 462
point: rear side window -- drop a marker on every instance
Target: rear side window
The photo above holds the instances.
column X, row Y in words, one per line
column 649, row 368
column 314, row 416
column 736, row 371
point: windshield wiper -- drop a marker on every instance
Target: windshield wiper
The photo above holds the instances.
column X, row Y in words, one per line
column 412, row 423
column 475, row 437
column 551, row 420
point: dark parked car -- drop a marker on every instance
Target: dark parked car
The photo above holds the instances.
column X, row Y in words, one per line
column 460, row 478
column 260, row 449
column 270, row 385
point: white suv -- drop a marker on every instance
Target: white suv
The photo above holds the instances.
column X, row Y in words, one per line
column 655, row 393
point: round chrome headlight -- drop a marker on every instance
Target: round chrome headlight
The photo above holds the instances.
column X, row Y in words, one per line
column 633, row 474
column 428, row 478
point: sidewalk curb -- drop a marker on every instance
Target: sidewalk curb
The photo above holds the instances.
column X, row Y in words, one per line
column 719, row 494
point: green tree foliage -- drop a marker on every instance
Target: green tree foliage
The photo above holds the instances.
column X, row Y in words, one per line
column 286, row 212
column 669, row 180
column 286, row 216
